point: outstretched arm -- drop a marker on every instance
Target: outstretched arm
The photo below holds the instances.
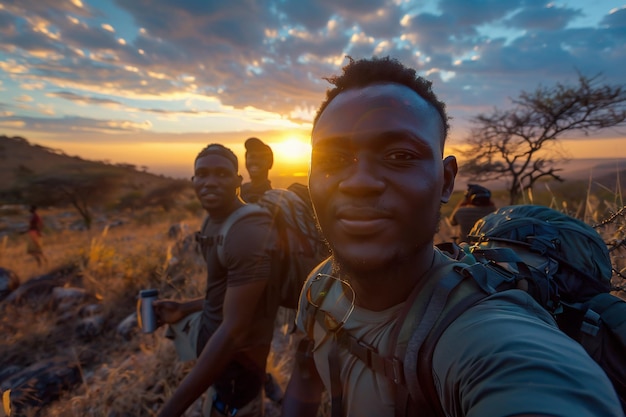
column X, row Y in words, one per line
column 170, row 311
column 304, row 391
column 239, row 307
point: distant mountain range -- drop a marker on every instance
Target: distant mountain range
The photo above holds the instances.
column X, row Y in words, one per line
column 594, row 169
column 19, row 155
column 604, row 172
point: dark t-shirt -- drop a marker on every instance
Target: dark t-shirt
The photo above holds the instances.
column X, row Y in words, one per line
column 251, row 254
column 466, row 216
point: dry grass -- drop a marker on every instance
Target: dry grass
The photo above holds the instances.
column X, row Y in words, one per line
column 121, row 377
column 132, row 377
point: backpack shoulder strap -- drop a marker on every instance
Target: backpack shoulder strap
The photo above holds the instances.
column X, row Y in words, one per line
column 235, row 216
column 478, row 282
column 201, row 237
column 603, row 308
column 453, row 284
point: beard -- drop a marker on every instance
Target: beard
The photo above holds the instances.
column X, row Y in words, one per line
column 349, row 267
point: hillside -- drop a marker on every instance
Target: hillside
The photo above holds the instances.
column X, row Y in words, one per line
column 21, row 159
column 18, row 154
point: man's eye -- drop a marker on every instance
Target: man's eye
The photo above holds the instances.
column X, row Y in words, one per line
column 401, row 156
column 331, row 160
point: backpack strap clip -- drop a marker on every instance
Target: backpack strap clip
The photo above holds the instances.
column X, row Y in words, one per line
column 390, row 367
column 398, row 371
column 591, row 323
column 487, row 282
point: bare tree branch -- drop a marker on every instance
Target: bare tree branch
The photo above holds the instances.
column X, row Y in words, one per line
column 516, row 144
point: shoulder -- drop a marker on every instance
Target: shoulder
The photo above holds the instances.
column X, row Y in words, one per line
column 251, row 216
column 251, row 226
column 505, row 317
column 511, row 306
column 508, row 338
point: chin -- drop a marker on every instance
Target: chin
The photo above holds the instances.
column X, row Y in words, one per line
column 361, row 262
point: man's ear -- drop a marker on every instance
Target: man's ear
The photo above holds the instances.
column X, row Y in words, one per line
column 450, row 170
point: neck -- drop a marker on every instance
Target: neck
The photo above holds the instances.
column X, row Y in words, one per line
column 258, row 181
column 385, row 287
column 225, row 211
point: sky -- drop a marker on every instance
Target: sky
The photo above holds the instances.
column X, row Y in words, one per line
column 151, row 82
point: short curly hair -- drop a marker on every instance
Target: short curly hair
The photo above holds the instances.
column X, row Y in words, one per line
column 366, row 72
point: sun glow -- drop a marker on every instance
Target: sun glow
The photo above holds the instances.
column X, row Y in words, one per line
column 292, row 151
column 292, row 156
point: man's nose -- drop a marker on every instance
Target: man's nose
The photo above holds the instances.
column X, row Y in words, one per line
column 362, row 177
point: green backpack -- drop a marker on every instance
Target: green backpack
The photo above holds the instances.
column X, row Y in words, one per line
column 570, row 276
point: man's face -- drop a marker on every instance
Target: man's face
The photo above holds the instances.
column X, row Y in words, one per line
column 377, row 177
column 257, row 164
column 215, row 182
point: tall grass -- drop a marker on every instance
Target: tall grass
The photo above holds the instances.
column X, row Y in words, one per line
column 120, row 376
column 133, row 376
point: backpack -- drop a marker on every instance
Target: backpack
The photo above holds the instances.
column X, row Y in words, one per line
column 573, row 281
column 302, row 245
column 573, row 288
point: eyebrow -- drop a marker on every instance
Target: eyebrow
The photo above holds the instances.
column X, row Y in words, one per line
column 378, row 139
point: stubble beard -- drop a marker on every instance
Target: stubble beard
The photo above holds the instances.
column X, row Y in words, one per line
column 348, row 268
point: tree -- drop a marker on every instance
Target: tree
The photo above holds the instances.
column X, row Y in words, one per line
column 81, row 188
column 166, row 195
column 519, row 144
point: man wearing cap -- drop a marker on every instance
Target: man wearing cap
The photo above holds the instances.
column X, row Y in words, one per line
column 231, row 329
column 259, row 160
column 475, row 205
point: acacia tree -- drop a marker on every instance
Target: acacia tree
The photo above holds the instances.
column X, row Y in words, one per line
column 518, row 144
column 83, row 189
column 166, row 196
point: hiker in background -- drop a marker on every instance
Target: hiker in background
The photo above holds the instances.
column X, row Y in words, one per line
column 475, row 205
column 230, row 330
column 259, row 161
column 34, row 246
column 377, row 180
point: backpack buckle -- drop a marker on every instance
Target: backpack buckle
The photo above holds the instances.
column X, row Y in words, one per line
column 398, row 371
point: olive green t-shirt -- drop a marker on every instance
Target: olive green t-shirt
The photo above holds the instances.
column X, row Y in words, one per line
column 502, row 357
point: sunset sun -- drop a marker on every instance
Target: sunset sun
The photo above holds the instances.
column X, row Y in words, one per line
column 292, row 151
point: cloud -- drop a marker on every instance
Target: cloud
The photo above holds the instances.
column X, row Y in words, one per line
column 548, row 17
column 74, row 124
column 23, row 98
column 271, row 56
column 616, row 18
column 477, row 12
column 67, row 95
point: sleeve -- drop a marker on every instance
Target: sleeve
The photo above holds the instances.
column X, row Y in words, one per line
column 505, row 357
column 251, row 249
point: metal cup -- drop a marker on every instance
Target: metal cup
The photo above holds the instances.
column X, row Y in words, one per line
column 146, row 317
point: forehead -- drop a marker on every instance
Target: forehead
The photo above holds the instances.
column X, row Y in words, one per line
column 376, row 109
column 214, row 161
column 257, row 153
